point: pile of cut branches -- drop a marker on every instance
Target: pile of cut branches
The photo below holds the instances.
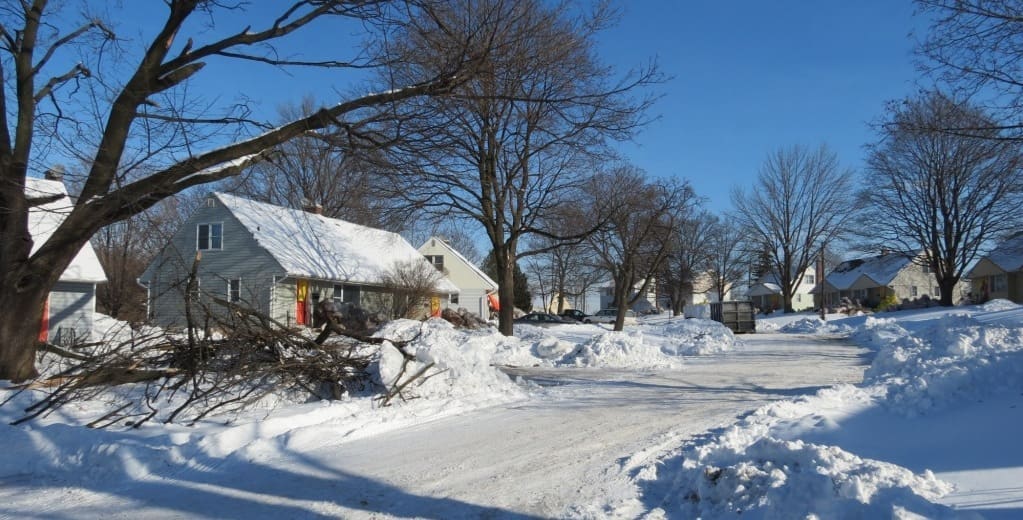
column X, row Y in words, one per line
column 186, row 377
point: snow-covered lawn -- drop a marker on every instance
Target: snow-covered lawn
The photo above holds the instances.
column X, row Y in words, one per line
column 668, row 419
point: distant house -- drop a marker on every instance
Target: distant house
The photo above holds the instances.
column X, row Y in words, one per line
column 702, row 290
column 277, row 260
column 473, row 284
column 870, row 280
column 766, row 293
column 646, row 302
column 70, row 311
column 999, row 274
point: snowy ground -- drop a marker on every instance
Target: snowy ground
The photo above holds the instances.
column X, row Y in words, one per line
column 670, row 419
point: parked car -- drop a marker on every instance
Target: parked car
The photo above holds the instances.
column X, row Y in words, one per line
column 575, row 314
column 609, row 315
column 543, row 319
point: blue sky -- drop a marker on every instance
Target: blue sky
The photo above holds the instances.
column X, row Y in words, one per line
column 747, row 78
column 750, row 77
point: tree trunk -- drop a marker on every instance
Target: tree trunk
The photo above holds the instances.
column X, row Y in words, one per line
column 621, row 295
column 947, row 286
column 19, row 329
column 505, row 289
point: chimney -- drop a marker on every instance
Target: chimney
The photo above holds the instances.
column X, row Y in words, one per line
column 55, row 173
column 311, row 207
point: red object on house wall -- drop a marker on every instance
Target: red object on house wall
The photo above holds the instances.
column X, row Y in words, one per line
column 301, row 297
column 495, row 302
column 44, row 328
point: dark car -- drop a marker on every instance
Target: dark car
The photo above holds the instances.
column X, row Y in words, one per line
column 543, row 319
column 575, row 314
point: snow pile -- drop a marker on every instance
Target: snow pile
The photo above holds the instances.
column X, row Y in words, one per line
column 447, row 362
column 814, row 326
column 620, row 350
column 696, row 337
column 761, row 477
column 998, row 305
column 763, row 466
column 951, row 360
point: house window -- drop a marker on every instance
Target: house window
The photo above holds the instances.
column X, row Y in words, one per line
column 999, row 283
column 209, row 236
column 234, row 290
column 453, row 298
column 937, row 291
column 346, row 294
column 913, row 290
column 437, row 261
column 808, row 279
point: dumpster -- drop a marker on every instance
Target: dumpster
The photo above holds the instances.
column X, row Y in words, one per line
column 737, row 316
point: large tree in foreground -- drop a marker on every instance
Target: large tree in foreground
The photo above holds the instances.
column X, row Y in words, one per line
column 72, row 86
column 976, row 48
column 801, row 201
column 513, row 145
column 941, row 193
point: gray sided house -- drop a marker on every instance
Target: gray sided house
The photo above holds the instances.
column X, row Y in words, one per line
column 870, row 280
column 70, row 311
column 276, row 260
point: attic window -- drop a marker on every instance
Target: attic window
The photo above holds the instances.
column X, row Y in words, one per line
column 209, row 236
column 437, row 261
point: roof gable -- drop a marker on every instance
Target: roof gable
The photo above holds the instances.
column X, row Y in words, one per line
column 314, row 246
column 472, row 267
column 44, row 219
column 1008, row 255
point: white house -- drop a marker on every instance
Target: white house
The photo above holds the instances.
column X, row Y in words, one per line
column 70, row 311
column 473, row 284
column 766, row 294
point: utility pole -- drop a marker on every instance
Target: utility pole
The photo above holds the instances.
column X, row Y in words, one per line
column 820, row 280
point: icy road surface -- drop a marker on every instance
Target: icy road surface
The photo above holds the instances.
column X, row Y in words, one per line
column 562, row 454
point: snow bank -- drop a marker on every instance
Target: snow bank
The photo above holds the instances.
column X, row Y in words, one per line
column 953, row 359
column 762, row 467
column 814, row 326
column 696, row 337
column 763, row 477
column 448, row 362
column 619, row 350
column 658, row 345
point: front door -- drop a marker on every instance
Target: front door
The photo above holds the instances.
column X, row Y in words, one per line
column 301, row 302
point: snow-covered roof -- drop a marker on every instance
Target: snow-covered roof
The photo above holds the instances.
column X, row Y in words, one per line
column 882, row 269
column 315, row 246
column 479, row 272
column 764, row 289
column 44, row 219
column 1008, row 255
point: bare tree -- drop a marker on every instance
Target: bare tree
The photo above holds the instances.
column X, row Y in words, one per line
column 134, row 120
column 325, row 171
column 412, row 284
column 689, row 255
column 728, row 259
column 512, row 144
column 940, row 193
column 802, row 200
column 976, row 48
column 124, row 250
column 643, row 216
